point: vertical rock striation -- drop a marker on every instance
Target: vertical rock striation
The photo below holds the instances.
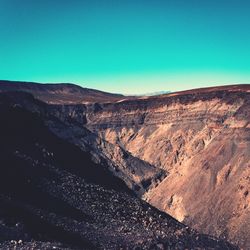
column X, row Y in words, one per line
column 202, row 140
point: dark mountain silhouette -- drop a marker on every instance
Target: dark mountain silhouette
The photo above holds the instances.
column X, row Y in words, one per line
column 63, row 93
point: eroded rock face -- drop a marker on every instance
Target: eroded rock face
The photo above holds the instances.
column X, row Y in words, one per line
column 202, row 140
column 185, row 153
column 53, row 196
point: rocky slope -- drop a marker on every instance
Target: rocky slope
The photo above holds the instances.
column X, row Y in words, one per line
column 54, row 196
column 66, row 121
column 201, row 138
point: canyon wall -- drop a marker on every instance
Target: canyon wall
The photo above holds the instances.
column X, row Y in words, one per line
column 202, row 141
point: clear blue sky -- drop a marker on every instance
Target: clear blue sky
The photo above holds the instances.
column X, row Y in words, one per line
column 126, row 46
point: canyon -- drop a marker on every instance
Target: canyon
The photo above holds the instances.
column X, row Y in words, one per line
column 201, row 139
column 184, row 153
column 57, row 195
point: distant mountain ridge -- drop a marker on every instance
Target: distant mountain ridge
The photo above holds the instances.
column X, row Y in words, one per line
column 156, row 93
column 60, row 93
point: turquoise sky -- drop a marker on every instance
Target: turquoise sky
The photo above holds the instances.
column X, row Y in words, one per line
column 126, row 46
